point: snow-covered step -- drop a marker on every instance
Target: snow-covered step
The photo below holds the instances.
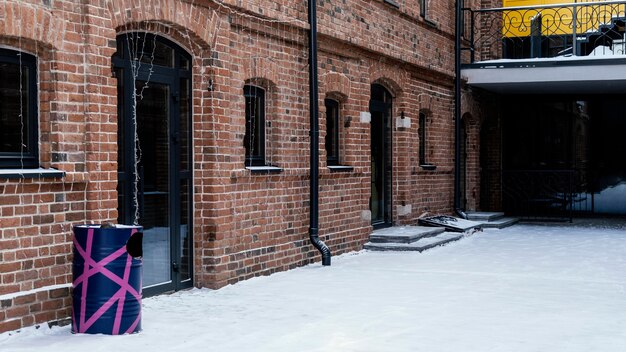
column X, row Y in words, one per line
column 484, row 215
column 419, row 246
column 450, row 223
column 403, row 234
column 500, row 223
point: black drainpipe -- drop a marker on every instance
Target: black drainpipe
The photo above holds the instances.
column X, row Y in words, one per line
column 457, row 110
column 314, row 111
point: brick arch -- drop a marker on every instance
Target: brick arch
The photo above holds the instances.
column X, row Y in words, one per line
column 391, row 78
column 32, row 23
column 334, row 82
column 189, row 20
column 470, row 105
column 425, row 102
column 469, row 118
column 261, row 68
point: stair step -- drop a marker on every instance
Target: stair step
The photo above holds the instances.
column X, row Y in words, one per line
column 500, row 223
column 450, row 223
column 403, row 234
column 484, row 216
column 417, row 246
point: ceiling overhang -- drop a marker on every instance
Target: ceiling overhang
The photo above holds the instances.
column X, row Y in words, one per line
column 563, row 75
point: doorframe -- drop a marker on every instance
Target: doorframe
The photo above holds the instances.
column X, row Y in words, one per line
column 170, row 76
column 385, row 109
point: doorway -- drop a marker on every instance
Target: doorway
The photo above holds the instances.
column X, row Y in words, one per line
column 154, row 155
column 381, row 104
column 463, row 162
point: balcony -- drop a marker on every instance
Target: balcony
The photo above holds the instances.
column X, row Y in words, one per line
column 565, row 48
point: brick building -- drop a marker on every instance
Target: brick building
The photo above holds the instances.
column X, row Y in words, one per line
column 192, row 117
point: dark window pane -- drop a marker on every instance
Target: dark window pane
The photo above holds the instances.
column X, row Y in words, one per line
column 13, row 109
column 185, row 237
column 185, row 98
column 148, row 50
column 422, row 137
column 332, row 132
column 184, row 63
column 121, row 138
column 254, row 140
column 18, row 115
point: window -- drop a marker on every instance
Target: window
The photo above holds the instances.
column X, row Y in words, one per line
column 423, row 8
column 332, row 132
column 18, row 110
column 392, row 3
column 254, row 140
column 422, row 137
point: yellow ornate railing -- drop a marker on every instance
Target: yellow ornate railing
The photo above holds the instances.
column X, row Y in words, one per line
column 544, row 28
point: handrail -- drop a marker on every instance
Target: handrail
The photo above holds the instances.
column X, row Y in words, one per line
column 550, row 6
column 580, row 29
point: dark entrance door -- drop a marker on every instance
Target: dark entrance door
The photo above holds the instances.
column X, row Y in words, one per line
column 380, row 200
column 463, row 164
column 154, row 144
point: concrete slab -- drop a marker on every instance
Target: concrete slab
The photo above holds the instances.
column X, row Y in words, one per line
column 417, row 246
column 483, row 216
column 403, row 234
column 500, row 223
column 450, row 223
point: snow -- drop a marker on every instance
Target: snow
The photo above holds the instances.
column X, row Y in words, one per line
column 611, row 200
column 525, row 288
column 35, row 290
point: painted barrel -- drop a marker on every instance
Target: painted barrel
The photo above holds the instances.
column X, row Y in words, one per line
column 106, row 297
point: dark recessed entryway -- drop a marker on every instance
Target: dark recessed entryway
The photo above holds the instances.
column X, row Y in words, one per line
column 381, row 104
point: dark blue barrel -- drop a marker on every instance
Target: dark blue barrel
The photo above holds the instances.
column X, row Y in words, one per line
column 107, row 279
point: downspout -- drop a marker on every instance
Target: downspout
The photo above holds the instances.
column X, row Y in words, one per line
column 457, row 110
column 314, row 133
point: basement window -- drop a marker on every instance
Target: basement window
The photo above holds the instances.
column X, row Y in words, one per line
column 18, row 110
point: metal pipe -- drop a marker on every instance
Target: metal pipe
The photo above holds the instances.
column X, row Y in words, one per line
column 457, row 111
column 314, row 133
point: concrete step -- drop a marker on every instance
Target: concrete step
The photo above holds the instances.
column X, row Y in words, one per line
column 484, row 216
column 450, row 223
column 403, row 234
column 500, row 223
column 419, row 246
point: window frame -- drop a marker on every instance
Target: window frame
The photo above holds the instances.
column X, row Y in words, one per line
column 332, row 159
column 251, row 91
column 421, row 131
column 29, row 159
column 423, row 8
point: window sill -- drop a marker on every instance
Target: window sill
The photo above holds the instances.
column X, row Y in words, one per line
column 392, row 3
column 431, row 22
column 340, row 168
column 30, row 173
column 264, row 169
column 429, row 167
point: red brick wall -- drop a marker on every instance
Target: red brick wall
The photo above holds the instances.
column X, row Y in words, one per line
column 245, row 224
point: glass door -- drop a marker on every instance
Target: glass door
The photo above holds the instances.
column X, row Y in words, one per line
column 381, row 196
column 154, row 176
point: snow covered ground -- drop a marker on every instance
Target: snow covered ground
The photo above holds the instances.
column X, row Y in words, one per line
column 525, row 288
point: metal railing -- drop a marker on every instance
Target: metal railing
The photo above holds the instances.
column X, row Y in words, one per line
column 539, row 194
column 592, row 28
